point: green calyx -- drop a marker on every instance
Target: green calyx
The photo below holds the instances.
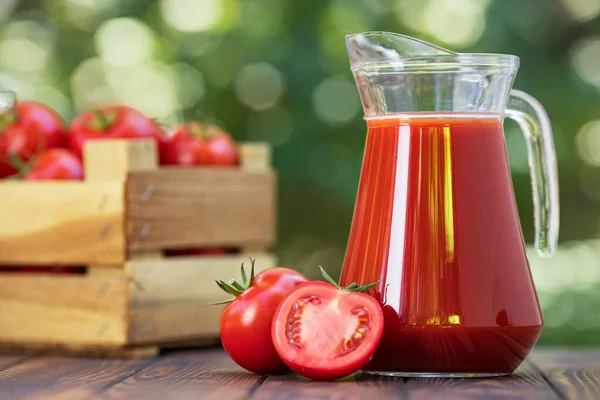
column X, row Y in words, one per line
column 7, row 118
column 163, row 125
column 22, row 167
column 9, row 115
column 102, row 120
column 233, row 287
column 197, row 129
column 353, row 287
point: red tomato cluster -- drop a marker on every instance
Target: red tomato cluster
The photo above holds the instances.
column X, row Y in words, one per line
column 280, row 321
column 30, row 133
column 36, row 144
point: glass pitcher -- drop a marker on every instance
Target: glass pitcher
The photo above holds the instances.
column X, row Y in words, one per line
column 435, row 219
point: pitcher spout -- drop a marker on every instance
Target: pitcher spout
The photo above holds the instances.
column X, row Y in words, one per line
column 400, row 74
column 371, row 48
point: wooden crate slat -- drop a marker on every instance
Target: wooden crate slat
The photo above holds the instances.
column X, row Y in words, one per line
column 62, row 222
column 110, row 160
column 182, row 207
column 172, row 322
column 255, row 156
column 170, row 295
column 69, row 310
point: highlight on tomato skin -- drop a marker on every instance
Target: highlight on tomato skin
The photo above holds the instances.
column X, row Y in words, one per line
column 324, row 332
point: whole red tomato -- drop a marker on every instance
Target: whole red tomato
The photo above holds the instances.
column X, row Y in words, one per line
column 113, row 122
column 195, row 143
column 26, row 130
column 55, row 164
column 245, row 324
column 324, row 332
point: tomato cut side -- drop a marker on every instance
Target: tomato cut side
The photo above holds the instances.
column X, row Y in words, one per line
column 324, row 333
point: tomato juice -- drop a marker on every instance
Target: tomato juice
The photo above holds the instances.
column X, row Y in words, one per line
column 436, row 223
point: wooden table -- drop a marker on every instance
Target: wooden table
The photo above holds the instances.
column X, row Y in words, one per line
column 209, row 374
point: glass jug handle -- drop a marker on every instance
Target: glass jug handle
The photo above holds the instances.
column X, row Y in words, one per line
column 535, row 124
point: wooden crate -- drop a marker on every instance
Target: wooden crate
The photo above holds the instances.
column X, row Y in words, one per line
column 118, row 222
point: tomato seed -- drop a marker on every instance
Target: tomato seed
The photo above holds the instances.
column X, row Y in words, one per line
column 362, row 328
column 293, row 329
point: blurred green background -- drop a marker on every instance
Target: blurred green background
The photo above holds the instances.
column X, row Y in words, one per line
column 277, row 71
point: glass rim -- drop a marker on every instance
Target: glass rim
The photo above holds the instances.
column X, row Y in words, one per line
column 433, row 62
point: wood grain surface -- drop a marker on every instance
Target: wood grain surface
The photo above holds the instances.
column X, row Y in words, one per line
column 63, row 378
column 525, row 383
column 575, row 374
column 170, row 295
column 210, row 374
column 175, row 207
column 206, row 374
column 112, row 160
column 52, row 310
column 182, row 207
column 62, row 222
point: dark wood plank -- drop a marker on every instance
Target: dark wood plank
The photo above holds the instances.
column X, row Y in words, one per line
column 178, row 207
column 200, row 374
column 64, row 378
column 9, row 360
column 551, row 358
column 357, row 387
column 525, row 383
column 575, row 373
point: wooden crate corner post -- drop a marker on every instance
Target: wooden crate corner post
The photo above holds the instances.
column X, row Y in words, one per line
column 257, row 157
column 113, row 160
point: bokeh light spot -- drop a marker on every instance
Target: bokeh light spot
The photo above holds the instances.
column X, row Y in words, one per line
column 192, row 15
column 150, row 88
column 190, row 85
column 348, row 17
column 582, row 10
column 87, row 14
column 259, row 85
column 588, row 143
column 54, row 98
column 274, row 125
column 335, row 100
column 585, row 54
column 410, row 13
column 42, row 35
column 22, row 55
column 89, row 85
column 456, row 22
column 342, row 18
column 124, row 41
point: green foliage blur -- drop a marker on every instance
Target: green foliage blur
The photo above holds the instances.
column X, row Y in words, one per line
column 277, row 71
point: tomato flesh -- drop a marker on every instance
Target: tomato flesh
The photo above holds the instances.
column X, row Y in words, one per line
column 325, row 333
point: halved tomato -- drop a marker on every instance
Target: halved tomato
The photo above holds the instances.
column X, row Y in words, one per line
column 325, row 332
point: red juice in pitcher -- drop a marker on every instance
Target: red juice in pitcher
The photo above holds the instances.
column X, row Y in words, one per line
column 436, row 223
